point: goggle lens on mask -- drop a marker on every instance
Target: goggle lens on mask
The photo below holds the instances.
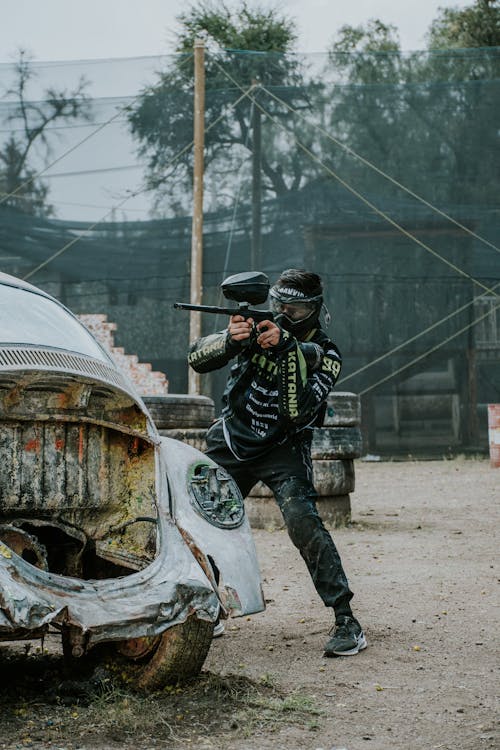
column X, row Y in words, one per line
column 293, row 310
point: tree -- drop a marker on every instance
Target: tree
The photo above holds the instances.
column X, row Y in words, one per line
column 368, row 62
column 475, row 26
column 375, row 36
column 20, row 186
column 235, row 40
column 423, row 117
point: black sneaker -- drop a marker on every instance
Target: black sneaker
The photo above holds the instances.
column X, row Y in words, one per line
column 347, row 638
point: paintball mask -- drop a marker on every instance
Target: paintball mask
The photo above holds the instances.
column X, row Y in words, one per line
column 294, row 311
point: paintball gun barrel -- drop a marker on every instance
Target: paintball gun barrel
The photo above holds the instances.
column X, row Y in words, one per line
column 248, row 288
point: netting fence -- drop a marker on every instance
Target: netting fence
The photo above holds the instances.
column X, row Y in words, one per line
column 381, row 171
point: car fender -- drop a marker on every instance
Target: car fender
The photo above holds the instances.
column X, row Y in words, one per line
column 231, row 551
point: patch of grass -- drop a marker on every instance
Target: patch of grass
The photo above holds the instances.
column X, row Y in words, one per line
column 40, row 702
column 210, row 705
column 270, row 713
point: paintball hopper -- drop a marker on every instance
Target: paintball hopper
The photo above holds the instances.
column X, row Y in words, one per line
column 250, row 287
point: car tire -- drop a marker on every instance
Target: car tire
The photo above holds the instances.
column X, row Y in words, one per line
column 196, row 438
column 330, row 477
column 333, row 476
column 336, row 442
column 179, row 410
column 177, row 655
column 343, row 409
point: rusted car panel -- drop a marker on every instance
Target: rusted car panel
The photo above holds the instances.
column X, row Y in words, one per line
column 86, row 477
column 106, row 530
column 142, row 604
column 82, row 466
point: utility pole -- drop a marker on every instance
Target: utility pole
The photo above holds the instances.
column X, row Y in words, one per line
column 197, row 228
column 255, row 260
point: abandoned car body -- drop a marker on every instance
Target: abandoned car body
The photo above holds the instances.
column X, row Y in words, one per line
column 109, row 532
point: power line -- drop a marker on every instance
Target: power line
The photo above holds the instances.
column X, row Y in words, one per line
column 359, row 195
column 379, row 171
column 345, row 184
column 410, row 340
column 233, row 219
column 429, row 351
column 92, row 226
column 59, row 127
column 125, row 168
column 78, row 205
column 96, row 60
column 73, row 148
column 59, row 158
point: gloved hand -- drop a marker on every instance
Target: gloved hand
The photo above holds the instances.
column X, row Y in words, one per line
column 270, row 335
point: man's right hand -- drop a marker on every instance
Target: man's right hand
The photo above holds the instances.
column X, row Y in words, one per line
column 240, row 328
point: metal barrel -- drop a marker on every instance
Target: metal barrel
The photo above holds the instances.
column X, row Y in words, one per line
column 494, row 434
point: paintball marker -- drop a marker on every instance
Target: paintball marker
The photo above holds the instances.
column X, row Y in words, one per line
column 248, row 288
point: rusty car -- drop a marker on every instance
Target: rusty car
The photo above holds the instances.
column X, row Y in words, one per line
column 124, row 541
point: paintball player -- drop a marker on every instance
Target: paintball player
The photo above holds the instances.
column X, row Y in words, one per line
column 275, row 394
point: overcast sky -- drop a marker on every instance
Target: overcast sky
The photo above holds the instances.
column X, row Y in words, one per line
column 88, row 29
column 93, row 174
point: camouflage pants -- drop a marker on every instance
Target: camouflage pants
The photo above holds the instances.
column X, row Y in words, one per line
column 287, row 471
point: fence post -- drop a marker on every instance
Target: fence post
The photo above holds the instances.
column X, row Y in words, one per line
column 197, row 227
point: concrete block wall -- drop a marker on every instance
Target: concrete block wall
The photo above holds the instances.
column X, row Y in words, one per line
column 147, row 381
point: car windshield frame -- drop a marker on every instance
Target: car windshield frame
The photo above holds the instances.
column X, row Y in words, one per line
column 31, row 319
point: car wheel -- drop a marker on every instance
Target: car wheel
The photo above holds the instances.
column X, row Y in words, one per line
column 149, row 663
column 180, row 410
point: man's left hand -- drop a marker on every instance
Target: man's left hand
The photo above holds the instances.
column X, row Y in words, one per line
column 269, row 334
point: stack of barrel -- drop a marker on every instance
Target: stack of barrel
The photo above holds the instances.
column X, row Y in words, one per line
column 334, row 448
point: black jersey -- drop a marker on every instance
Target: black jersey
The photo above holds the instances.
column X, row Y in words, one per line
column 271, row 394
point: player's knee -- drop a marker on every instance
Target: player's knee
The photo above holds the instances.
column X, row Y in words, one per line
column 296, row 499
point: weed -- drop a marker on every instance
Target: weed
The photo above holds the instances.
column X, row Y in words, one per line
column 39, row 696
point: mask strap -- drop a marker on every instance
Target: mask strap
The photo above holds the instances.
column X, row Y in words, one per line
column 328, row 317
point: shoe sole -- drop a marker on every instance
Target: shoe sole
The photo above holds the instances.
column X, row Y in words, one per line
column 360, row 646
column 218, row 630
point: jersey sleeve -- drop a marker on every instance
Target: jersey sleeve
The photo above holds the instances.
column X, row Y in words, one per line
column 305, row 378
column 212, row 352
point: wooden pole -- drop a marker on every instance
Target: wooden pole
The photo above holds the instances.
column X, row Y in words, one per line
column 197, row 228
column 255, row 259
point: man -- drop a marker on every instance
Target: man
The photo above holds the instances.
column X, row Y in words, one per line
column 275, row 394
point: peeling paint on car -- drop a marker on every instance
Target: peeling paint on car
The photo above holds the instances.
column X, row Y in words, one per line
column 99, row 535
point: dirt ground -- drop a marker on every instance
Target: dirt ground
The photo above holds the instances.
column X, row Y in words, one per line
column 421, row 555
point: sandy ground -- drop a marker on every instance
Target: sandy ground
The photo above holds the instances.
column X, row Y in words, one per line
column 422, row 558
